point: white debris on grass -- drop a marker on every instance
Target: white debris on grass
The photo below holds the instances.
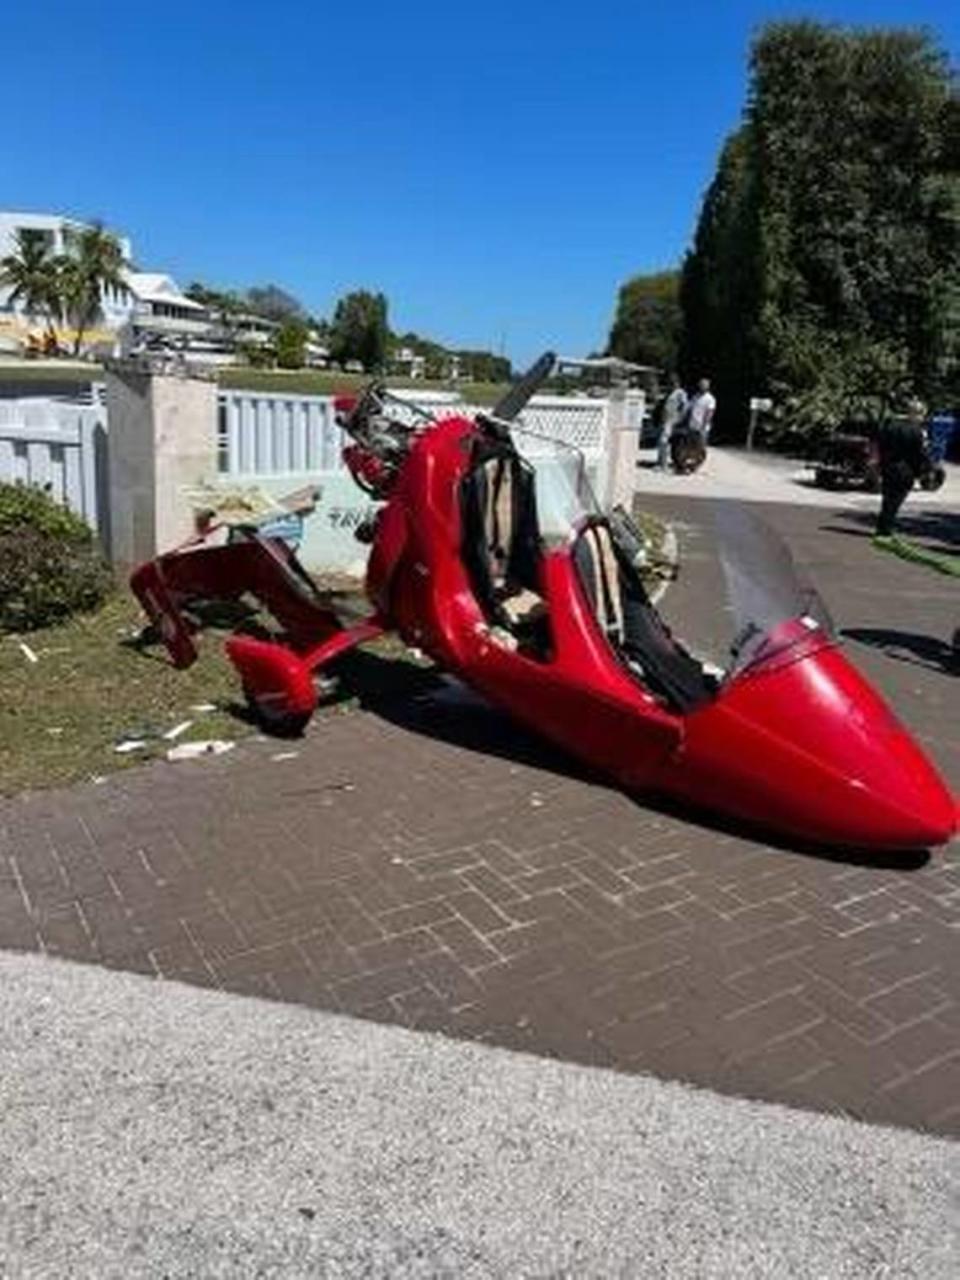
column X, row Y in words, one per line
column 195, row 750
column 202, row 707
column 27, row 652
column 285, row 755
column 130, row 744
column 172, row 734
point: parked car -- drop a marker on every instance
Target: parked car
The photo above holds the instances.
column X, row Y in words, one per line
column 848, row 460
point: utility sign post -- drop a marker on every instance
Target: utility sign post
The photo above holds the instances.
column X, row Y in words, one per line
column 758, row 405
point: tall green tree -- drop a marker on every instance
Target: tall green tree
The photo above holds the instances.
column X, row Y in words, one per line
column 31, row 274
column 826, row 264
column 93, row 262
column 359, row 330
column 719, row 282
column 275, row 303
column 484, row 366
column 647, row 324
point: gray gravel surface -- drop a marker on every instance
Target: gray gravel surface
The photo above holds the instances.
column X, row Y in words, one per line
column 151, row 1129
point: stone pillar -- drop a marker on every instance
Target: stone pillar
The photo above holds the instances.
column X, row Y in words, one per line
column 162, row 442
column 617, row 482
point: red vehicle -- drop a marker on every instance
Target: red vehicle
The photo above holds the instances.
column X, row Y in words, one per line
column 509, row 577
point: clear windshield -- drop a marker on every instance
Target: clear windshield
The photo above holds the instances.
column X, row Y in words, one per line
column 565, row 494
column 766, row 593
column 774, row 610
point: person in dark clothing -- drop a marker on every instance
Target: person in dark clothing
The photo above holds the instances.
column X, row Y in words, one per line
column 902, row 446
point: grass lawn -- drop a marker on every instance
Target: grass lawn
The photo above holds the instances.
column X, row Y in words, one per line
column 314, row 382
column 320, row 382
column 62, row 716
column 28, row 373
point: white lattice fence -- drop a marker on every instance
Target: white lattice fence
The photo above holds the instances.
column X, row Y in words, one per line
column 269, row 434
column 59, row 447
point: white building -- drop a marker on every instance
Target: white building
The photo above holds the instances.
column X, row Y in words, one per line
column 149, row 309
column 409, row 363
column 55, row 228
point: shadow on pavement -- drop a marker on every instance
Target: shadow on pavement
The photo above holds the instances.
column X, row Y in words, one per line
column 938, row 530
column 422, row 701
column 909, row 646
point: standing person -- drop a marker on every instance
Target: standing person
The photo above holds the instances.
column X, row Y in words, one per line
column 702, row 408
column 674, row 407
column 902, row 445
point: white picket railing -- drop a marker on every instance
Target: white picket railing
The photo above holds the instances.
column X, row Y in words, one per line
column 57, row 446
column 270, row 434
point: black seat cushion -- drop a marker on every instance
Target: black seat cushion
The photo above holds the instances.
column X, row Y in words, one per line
column 632, row 625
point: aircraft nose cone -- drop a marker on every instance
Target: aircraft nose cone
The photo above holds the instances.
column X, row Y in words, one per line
column 916, row 817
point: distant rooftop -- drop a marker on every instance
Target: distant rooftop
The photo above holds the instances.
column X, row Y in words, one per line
column 154, row 286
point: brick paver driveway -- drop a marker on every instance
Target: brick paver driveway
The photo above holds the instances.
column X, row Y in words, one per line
column 424, row 863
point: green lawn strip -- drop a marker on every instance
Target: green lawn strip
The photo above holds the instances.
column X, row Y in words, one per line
column 314, row 382
column 79, row 372
column 322, row 382
column 907, row 550
column 61, row 716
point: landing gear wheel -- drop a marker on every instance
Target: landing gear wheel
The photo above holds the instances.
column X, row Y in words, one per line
column 274, row 720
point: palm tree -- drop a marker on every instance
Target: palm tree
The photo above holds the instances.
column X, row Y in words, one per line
column 31, row 274
column 94, row 262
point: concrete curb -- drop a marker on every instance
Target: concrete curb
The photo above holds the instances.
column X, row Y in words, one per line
column 155, row 1129
column 670, row 551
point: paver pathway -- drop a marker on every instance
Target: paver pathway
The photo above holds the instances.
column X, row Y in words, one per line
column 426, row 864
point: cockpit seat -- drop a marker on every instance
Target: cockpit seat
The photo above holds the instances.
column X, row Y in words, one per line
column 601, row 576
column 632, row 625
column 501, row 544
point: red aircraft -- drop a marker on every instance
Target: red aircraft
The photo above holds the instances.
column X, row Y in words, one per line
column 508, row 576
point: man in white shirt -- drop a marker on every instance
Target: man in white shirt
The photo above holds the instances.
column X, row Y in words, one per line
column 674, row 408
column 702, row 408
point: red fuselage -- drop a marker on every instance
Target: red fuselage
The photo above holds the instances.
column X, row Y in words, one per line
column 801, row 744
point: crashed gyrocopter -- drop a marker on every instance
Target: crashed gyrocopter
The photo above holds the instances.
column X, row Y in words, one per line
column 509, row 577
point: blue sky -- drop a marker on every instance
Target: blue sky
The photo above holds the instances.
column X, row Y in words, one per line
column 496, row 168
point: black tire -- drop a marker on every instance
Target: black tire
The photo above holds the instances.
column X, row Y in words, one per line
column 688, row 455
column 276, row 723
column 933, row 479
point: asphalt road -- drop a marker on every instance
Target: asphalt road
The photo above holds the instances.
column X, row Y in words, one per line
column 151, row 1129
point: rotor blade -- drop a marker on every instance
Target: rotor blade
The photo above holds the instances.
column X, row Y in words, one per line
column 510, row 404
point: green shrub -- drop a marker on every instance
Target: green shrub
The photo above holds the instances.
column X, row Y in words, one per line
column 50, row 563
column 291, row 345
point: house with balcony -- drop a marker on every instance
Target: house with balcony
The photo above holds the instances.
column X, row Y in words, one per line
column 409, row 363
column 148, row 309
column 159, row 314
column 147, row 312
column 17, row 326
